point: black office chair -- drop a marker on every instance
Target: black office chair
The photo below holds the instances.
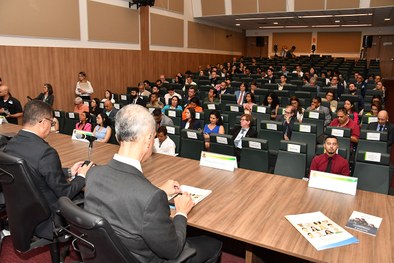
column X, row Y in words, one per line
column 26, row 207
column 96, row 239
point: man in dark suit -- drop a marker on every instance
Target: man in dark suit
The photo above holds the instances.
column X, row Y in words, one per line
column 241, row 131
column 109, row 110
column 316, row 106
column 383, row 124
column 288, row 119
column 137, row 210
column 135, row 99
column 44, row 161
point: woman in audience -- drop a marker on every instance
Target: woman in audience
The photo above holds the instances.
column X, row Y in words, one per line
column 95, row 107
column 375, row 108
column 250, row 101
column 84, row 88
column 108, row 96
column 174, row 104
column 312, row 72
column 272, row 101
column 102, row 131
column 215, row 126
column 349, row 106
column 295, row 102
column 84, row 124
column 46, row 95
column 190, row 122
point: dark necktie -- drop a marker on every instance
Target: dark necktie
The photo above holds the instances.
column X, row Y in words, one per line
column 380, row 127
column 328, row 169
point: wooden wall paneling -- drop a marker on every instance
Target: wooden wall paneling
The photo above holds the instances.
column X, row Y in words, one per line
column 377, row 3
column 124, row 26
column 210, row 8
column 177, row 6
column 338, row 42
column 269, row 6
column 166, row 31
column 161, row 4
column 244, row 6
column 44, row 18
column 339, row 4
column 301, row 40
column 300, row 5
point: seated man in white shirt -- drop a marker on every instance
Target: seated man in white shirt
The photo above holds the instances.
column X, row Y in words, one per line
column 241, row 131
column 163, row 144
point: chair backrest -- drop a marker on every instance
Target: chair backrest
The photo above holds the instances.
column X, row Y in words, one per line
column 233, row 110
column 291, row 161
column 373, row 171
column 175, row 115
column 271, row 131
column 227, row 99
column 174, row 132
column 192, row 143
column 306, row 133
column 99, row 242
column 60, row 116
column 26, row 207
column 222, row 143
column 254, row 154
column 341, row 151
column 260, row 113
column 316, row 117
column 71, row 119
column 373, row 141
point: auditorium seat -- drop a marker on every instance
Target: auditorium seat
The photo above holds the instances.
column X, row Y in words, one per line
column 291, row 161
column 254, row 155
column 192, row 143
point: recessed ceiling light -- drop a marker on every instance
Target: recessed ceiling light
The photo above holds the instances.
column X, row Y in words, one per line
column 263, row 18
column 319, row 16
column 237, row 24
column 344, row 15
column 337, row 21
column 275, row 23
column 357, row 25
column 271, row 27
column 326, row 26
column 296, row 26
column 387, row 19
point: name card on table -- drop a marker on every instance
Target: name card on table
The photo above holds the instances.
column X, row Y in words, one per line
column 222, row 140
column 261, row 109
column 219, row 161
column 333, row 182
column 272, row 126
column 337, row 132
column 81, row 135
column 372, row 119
column 305, row 128
column 171, row 113
column 211, row 106
column 234, row 108
column 313, row 115
column 373, row 136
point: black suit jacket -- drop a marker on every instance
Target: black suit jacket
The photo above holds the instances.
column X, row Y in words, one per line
column 137, row 210
column 251, row 132
column 48, row 100
column 287, row 127
column 388, row 127
column 46, row 168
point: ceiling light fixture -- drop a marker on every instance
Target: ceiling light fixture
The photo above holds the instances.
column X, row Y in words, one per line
column 264, row 18
column 345, row 15
column 318, row 16
column 337, row 21
column 275, row 23
column 326, row 26
column 296, row 26
column 271, row 27
column 357, row 25
column 387, row 19
column 237, row 24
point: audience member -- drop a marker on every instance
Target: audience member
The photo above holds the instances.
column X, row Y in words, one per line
column 379, row 86
column 142, row 92
column 383, row 124
column 44, row 161
column 171, row 93
column 316, row 106
column 295, row 102
column 142, row 219
column 10, row 107
column 103, row 130
column 161, row 119
column 84, row 88
column 95, row 107
column 195, row 104
column 191, row 93
column 283, row 82
column 174, row 105
column 84, row 124
column 110, row 110
column 288, row 119
column 241, row 93
column 163, row 144
column 245, row 129
column 108, row 96
column 349, row 106
column 190, row 121
column 270, row 75
column 298, row 71
column 343, row 120
column 334, row 84
column 330, row 98
column 211, row 96
column 215, row 125
column 154, row 101
column 80, row 106
column 135, row 99
column 330, row 161
column 272, row 101
column 222, row 88
column 46, row 95
column 253, row 87
column 375, row 109
column 189, row 82
column 352, row 89
column 250, row 102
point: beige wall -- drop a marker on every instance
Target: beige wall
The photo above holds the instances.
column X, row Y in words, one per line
column 124, row 26
column 212, row 7
column 339, row 4
column 270, row 6
column 166, row 31
column 301, row 40
column 244, row 6
column 301, row 5
column 338, row 42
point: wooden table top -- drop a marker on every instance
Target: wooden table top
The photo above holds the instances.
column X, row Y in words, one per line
column 251, row 206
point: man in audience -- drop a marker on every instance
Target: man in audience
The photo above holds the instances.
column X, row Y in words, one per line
column 163, row 144
column 44, row 161
column 241, row 131
column 189, row 81
column 270, row 76
column 10, row 107
column 316, row 106
column 191, row 94
column 283, row 70
column 147, row 85
column 110, row 110
column 214, row 79
column 343, row 120
column 222, row 88
column 161, row 119
column 283, row 82
column 335, row 85
column 195, row 104
column 383, row 124
column 163, row 78
column 330, row 99
column 142, row 91
column 141, row 220
column 288, row 119
column 212, row 96
column 80, row 106
column 171, row 93
column 253, row 87
column 298, row 70
column 154, row 101
column 353, row 91
column 135, row 99
column 330, row 161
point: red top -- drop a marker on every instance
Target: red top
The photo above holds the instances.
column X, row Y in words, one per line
column 339, row 165
column 354, row 127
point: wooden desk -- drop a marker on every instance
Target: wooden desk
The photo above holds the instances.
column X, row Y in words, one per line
column 250, row 206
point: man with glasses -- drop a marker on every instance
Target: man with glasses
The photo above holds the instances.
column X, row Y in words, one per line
column 241, row 131
column 343, row 120
column 44, row 161
column 383, row 124
column 288, row 119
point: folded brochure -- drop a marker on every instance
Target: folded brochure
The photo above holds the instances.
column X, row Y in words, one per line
column 364, row 223
column 197, row 194
column 320, row 231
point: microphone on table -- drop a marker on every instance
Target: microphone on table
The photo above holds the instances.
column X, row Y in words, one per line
column 90, row 138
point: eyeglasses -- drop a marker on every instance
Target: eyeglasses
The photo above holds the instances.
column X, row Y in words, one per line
column 287, row 112
column 50, row 121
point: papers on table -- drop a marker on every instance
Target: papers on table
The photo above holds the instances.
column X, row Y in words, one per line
column 320, row 231
column 197, row 194
column 364, row 223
